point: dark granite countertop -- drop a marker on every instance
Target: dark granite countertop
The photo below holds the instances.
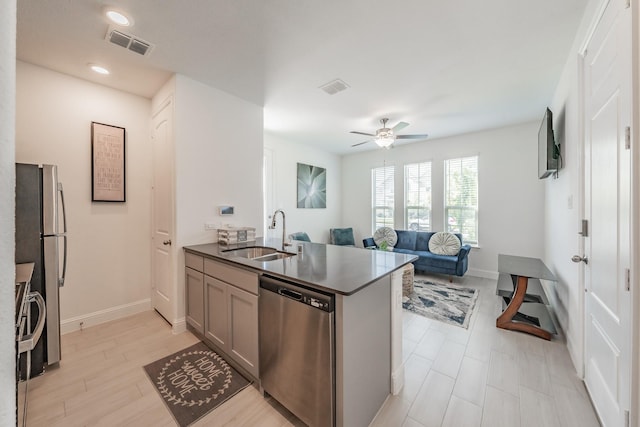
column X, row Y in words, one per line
column 336, row 269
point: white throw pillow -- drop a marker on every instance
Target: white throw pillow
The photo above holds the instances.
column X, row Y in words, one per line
column 385, row 234
column 442, row 243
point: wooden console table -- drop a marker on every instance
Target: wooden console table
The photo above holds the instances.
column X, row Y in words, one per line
column 524, row 302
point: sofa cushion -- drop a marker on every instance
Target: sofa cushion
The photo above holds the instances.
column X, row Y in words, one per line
column 341, row 236
column 385, row 234
column 406, row 239
column 442, row 243
column 422, row 240
column 432, row 260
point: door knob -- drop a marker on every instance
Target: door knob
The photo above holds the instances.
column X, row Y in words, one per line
column 167, row 242
column 578, row 258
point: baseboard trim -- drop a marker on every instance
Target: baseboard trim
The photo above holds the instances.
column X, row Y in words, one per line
column 179, row 326
column 397, row 380
column 97, row 317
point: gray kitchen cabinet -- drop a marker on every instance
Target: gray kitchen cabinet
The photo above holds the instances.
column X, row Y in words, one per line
column 194, row 287
column 243, row 328
column 230, row 304
column 217, row 301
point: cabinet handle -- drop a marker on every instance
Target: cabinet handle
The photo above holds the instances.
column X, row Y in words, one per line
column 167, row 242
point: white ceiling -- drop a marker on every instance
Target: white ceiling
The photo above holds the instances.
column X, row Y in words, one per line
column 445, row 67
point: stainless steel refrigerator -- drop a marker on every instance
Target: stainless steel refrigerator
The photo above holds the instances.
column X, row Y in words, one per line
column 41, row 238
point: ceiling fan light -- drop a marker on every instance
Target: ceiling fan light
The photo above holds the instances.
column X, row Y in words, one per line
column 384, row 141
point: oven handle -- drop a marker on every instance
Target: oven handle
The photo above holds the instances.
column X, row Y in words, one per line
column 29, row 341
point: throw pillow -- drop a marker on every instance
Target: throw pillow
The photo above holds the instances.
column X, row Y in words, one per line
column 385, row 234
column 442, row 243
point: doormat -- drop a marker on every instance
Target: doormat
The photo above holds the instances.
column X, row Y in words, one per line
column 194, row 381
column 444, row 303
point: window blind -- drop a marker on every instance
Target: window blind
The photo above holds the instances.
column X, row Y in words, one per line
column 383, row 196
column 417, row 188
column 461, row 197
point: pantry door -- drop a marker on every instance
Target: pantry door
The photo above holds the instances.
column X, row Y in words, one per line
column 607, row 101
column 164, row 294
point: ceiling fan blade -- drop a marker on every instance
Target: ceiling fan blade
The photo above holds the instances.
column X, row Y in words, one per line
column 360, row 143
column 362, row 133
column 399, row 126
column 423, row 136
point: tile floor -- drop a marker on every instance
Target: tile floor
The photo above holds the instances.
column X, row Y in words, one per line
column 482, row 376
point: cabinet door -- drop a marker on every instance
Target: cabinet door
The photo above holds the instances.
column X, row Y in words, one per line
column 217, row 325
column 243, row 328
column 194, row 285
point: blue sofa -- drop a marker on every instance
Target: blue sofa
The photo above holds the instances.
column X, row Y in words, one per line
column 417, row 243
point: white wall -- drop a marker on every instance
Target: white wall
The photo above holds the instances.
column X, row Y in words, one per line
column 7, row 209
column 315, row 222
column 108, row 273
column 218, row 159
column 511, row 198
column 218, row 146
column 562, row 222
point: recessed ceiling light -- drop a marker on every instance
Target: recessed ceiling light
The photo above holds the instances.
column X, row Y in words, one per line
column 118, row 17
column 98, row 69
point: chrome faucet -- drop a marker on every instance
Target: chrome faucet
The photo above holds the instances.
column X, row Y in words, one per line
column 273, row 226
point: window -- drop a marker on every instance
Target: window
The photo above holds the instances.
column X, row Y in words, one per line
column 417, row 196
column 461, row 197
column 382, row 185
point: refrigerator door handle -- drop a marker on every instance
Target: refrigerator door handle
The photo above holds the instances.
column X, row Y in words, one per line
column 64, row 237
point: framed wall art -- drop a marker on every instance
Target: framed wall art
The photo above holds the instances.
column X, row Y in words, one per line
column 312, row 186
column 108, row 175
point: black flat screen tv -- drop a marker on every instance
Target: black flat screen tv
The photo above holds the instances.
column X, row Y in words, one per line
column 548, row 151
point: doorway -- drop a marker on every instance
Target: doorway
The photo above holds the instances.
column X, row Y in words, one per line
column 607, row 105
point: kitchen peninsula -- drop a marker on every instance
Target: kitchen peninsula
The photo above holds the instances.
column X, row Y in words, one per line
column 353, row 287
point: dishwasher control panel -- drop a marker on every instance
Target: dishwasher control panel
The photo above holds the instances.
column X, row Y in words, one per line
column 298, row 293
column 314, row 302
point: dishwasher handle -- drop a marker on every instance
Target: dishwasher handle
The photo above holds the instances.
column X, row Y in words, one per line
column 300, row 294
column 290, row 293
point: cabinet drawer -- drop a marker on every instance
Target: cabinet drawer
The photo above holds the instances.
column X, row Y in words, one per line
column 236, row 276
column 194, row 261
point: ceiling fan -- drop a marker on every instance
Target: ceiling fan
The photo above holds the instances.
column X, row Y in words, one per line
column 385, row 136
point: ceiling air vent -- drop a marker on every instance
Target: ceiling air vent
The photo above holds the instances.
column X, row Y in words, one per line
column 334, row 86
column 128, row 41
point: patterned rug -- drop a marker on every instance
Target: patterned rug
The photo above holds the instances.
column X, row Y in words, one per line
column 193, row 382
column 446, row 303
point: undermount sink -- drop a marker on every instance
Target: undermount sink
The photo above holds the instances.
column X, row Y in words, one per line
column 258, row 253
column 271, row 257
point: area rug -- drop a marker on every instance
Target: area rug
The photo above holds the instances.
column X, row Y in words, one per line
column 445, row 303
column 194, row 381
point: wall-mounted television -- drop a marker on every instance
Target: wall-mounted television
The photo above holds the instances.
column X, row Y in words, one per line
column 548, row 150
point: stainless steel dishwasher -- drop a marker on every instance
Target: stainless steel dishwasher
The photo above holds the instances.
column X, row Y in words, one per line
column 297, row 361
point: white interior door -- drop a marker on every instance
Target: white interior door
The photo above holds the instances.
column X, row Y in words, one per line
column 164, row 286
column 269, row 191
column 607, row 85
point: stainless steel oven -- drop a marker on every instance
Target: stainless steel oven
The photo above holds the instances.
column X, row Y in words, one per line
column 27, row 335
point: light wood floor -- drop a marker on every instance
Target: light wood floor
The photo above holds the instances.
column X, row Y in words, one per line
column 482, row 376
